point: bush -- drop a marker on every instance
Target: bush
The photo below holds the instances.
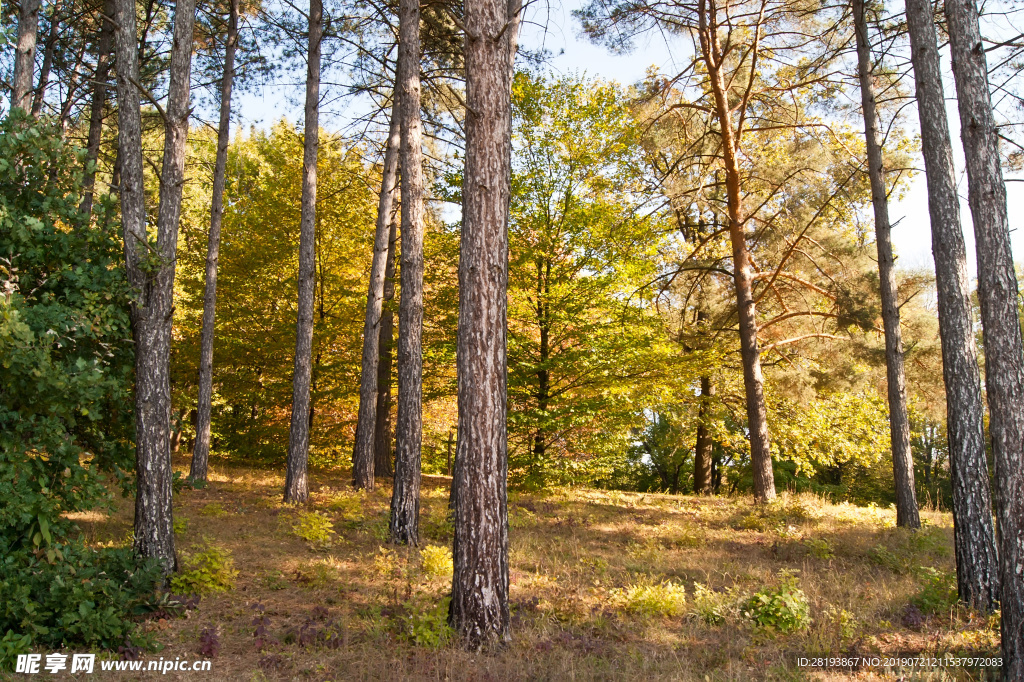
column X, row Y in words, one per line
column 437, row 561
column 939, row 594
column 315, row 528
column 84, row 598
column 783, row 608
column 713, row 608
column 653, row 599
column 428, row 627
column 210, row 570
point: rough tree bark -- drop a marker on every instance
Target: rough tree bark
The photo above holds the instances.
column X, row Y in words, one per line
column 1000, row 320
column 405, row 495
column 150, row 270
column 382, row 465
column 104, row 45
column 296, row 487
column 479, row 607
column 25, row 55
column 899, row 423
column 201, row 449
column 753, row 380
column 363, row 462
column 974, row 539
column 702, row 447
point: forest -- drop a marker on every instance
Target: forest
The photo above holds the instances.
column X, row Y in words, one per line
column 476, row 367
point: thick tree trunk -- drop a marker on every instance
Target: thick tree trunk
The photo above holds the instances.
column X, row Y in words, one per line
column 479, row 607
column 405, row 496
column 753, row 380
column 1000, row 320
column 25, row 55
column 974, row 539
column 296, row 487
column 382, row 465
column 702, row 448
column 104, row 45
column 363, row 462
column 201, row 449
column 899, row 423
column 152, row 310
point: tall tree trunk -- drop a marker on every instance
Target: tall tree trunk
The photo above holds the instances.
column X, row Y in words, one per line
column 703, row 446
column 1000, row 318
column 153, row 307
column 201, row 449
column 382, row 465
column 296, row 487
column 543, row 373
column 974, row 539
column 405, row 495
column 479, row 607
column 104, row 45
column 363, row 463
column 899, row 424
column 753, row 379
column 44, row 69
column 25, row 55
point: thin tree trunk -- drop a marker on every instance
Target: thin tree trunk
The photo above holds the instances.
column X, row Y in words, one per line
column 479, row 607
column 44, row 70
column 201, row 449
column 152, row 310
column 25, row 55
column 543, row 374
column 702, row 448
column 296, row 487
column 1000, row 318
column 974, row 539
column 104, row 45
column 753, row 379
column 899, row 424
column 363, row 463
column 405, row 495
column 382, row 465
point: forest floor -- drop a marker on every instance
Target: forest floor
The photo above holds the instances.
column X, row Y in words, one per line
column 605, row 585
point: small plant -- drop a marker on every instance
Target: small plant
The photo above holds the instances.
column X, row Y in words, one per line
column 213, row 509
column 437, row 561
column 653, row 599
column 209, row 642
column 212, row 569
column 318, row 574
column 274, row 580
column 180, row 525
column 898, row 563
column 712, row 607
column 819, row 548
column 783, row 608
column 939, row 594
column 428, row 627
column 349, row 506
column 315, row 528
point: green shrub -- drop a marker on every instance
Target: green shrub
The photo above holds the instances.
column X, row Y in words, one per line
column 819, row 548
column 783, row 608
column 350, row 507
column 315, row 528
column 437, row 561
column 939, row 594
column 212, row 569
column 213, row 509
column 428, row 627
column 647, row 598
column 84, row 598
column 897, row 562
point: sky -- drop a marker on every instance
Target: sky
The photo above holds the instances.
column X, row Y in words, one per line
column 554, row 29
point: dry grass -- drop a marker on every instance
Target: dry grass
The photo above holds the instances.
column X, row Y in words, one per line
column 574, row 554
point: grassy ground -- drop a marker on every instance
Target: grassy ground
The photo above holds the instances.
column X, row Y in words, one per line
column 604, row 585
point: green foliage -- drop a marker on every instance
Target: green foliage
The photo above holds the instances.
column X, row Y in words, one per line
column 783, row 608
column 437, row 561
column 939, row 593
column 715, row 607
column 211, row 569
column 778, row 514
column 82, row 598
column 427, row 626
column 819, row 548
column 315, row 528
column 65, row 341
column 213, row 509
column 647, row 598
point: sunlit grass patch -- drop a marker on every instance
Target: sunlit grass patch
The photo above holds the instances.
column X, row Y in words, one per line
column 647, row 598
